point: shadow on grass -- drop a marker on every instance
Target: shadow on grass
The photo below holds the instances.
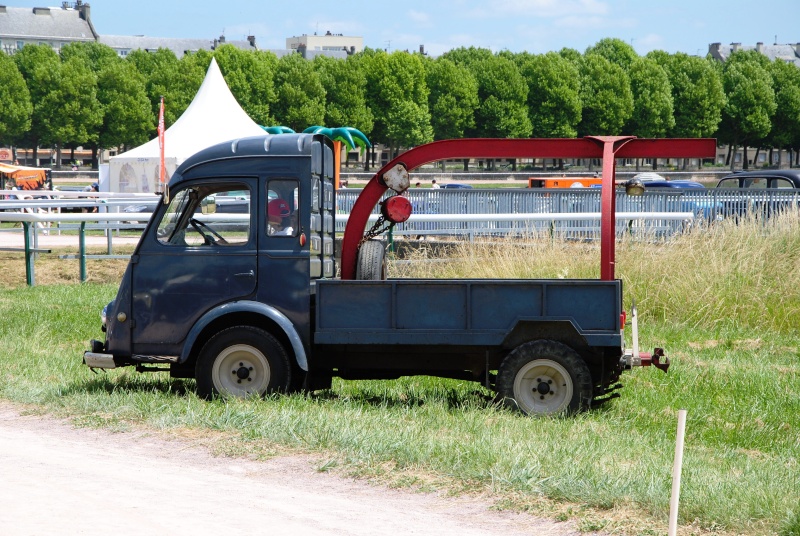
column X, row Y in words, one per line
column 450, row 398
column 447, row 397
column 125, row 384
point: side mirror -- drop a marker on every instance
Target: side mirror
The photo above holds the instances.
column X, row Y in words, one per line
column 634, row 187
column 209, row 205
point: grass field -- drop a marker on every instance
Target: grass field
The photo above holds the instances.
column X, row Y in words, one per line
column 724, row 303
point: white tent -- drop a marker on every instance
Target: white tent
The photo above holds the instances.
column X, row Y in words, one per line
column 213, row 116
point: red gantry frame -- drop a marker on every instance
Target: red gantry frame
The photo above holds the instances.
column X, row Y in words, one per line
column 608, row 148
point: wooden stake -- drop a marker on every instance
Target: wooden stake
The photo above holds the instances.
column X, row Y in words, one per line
column 676, row 474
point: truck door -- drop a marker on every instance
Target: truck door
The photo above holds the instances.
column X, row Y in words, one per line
column 283, row 254
column 200, row 254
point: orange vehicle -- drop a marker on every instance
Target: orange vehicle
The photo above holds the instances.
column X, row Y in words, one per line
column 563, row 182
column 24, row 178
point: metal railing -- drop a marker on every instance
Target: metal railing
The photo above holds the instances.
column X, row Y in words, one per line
column 568, row 214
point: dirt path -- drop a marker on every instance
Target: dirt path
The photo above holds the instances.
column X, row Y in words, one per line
column 56, row 479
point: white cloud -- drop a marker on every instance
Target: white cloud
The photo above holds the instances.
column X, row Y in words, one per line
column 346, row 27
column 542, row 8
column 420, row 18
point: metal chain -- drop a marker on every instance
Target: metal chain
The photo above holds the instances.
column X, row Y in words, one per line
column 376, row 230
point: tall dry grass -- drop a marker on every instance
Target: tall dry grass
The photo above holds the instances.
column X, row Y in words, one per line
column 726, row 275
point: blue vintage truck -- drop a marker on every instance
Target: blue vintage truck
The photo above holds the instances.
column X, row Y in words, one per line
column 250, row 303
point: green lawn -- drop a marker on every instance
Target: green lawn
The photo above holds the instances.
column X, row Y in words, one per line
column 708, row 299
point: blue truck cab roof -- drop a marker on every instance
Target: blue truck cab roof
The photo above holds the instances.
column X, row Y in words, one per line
column 259, row 147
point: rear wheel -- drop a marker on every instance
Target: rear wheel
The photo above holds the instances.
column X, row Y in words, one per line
column 242, row 361
column 545, row 378
column 371, row 261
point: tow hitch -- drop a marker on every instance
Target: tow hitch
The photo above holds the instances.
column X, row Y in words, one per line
column 635, row 358
column 646, row 359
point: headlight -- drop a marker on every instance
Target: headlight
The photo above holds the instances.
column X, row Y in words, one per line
column 104, row 312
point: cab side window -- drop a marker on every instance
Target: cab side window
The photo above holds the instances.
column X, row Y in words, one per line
column 282, row 216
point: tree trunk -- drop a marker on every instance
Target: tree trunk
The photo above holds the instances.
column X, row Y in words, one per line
column 755, row 158
column 58, row 155
column 733, row 156
column 95, row 163
column 745, row 163
column 728, row 157
column 466, row 165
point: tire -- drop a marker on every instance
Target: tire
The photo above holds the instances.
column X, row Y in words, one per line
column 371, row 261
column 545, row 378
column 242, row 361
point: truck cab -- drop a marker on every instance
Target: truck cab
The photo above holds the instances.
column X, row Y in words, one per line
column 196, row 271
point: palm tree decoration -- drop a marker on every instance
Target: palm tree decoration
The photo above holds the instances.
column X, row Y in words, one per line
column 349, row 136
column 277, row 130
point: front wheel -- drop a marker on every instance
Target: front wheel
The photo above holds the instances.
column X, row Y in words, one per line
column 545, row 378
column 242, row 361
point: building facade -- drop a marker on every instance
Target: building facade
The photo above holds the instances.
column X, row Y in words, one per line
column 338, row 44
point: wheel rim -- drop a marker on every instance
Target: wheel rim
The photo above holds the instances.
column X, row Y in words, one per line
column 241, row 370
column 543, row 387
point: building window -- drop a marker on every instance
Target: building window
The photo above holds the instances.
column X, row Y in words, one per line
column 20, row 44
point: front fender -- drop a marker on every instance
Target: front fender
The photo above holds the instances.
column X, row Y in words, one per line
column 246, row 306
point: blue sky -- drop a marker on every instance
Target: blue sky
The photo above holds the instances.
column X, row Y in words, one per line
column 517, row 25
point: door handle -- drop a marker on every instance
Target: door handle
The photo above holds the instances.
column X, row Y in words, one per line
column 251, row 273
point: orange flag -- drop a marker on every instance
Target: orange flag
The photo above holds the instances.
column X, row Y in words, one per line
column 162, row 171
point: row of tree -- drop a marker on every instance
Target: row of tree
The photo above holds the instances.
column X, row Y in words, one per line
column 88, row 96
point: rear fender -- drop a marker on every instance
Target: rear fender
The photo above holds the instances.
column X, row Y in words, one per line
column 253, row 308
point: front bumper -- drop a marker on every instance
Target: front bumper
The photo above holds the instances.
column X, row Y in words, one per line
column 97, row 360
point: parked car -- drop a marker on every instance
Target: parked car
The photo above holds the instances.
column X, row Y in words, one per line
column 761, row 179
column 702, row 206
column 653, row 184
column 450, row 185
column 650, row 176
column 765, row 197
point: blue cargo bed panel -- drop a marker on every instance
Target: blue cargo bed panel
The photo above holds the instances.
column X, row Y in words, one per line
column 460, row 312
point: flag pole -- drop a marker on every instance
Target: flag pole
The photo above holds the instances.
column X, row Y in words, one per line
column 164, row 187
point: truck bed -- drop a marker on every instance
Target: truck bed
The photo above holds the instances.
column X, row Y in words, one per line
column 463, row 312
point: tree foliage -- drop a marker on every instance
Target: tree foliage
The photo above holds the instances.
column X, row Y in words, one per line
column 616, row 51
column 89, row 96
column 606, row 96
column 785, row 131
column 453, row 98
column 249, row 76
column 300, row 97
column 502, row 94
column 127, row 115
column 40, row 67
column 398, row 97
column 73, row 113
column 15, row 101
column 554, row 104
column 697, row 94
column 345, row 93
column 467, row 56
column 165, row 75
column 747, row 115
column 653, row 111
